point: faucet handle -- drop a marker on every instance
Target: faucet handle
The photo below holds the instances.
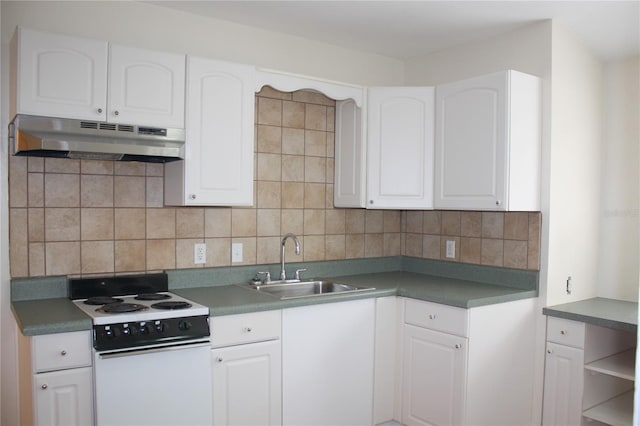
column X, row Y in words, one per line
column 298, row 271
column 266, row 276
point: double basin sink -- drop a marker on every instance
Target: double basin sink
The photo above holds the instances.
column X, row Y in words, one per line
column 290, row 289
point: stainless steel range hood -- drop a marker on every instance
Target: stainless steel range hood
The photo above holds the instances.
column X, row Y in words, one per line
column 97, row 140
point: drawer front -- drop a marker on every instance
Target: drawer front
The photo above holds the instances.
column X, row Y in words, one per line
column 565, row 332
column 435, row 316
column 61, row 351
column 245, row 328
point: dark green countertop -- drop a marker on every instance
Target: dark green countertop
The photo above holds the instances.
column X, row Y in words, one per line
column 47, row 316
column 611, row 313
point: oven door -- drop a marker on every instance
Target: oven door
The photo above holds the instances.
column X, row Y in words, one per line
column 160, row 385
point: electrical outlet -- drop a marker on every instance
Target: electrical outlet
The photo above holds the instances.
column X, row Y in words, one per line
column 236, row 252
column 200, row 253
column 451, row 249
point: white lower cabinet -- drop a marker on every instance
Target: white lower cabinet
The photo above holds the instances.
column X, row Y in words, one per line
column 327, row 358
column 247, row 369
column 56, row 379
column 453, row 371
column 589, row 374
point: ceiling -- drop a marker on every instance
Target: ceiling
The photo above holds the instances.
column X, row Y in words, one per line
column 406, row 29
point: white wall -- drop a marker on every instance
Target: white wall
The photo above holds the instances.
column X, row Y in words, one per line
column 620, row 201
column 575, row 168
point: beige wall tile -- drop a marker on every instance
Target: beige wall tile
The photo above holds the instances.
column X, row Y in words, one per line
column 218, row 252
column 312, row 97
column 97, row 257
column 335, row 222
column 17, row 181
column 189, row 222
column 155, row 192
column 129, row 191
column 217, row 222
column 18, row 244
column 516, row 226
column 414, row 221
column 315, row 169
column 515, row 254
column 96, row 191
column 154, row 169
column 292, row 168
column 315, row 143
column 331, row 119
column 392, row 244
column 269, row 139
column 355, row 221
column 354, row 246
column 293, row 141
column 269, row 167
column 335, row 247
column 450, row 223
column 268, row 224
column 492, row 225
column 269, row 111
column 96, row 224
column 130, row 256
column 36, row 260
column 161, row 254
column 96, row 167
column 314, row 222
column 270, row 92
column 36, row 224
column 34, row 164
column 313, row 249
column 329, row 196
column 292, row 195
column 36, row 189
column 533, row 246
column 470, row 250
column 248, row 251
column 293, row 114
column 292, row 221
column 391, row 221
column 330, row 174
column 492, row 252
column 443, row 247
column 331, row 144
column 268, row 250
column 269, row 195
column 130, row 224
column 373, row 245
column 185, row 250
column 431, row 222
column 315, row 117
column 471, row 224
column 62, row 258
column 129, row 168
column 161, row 223
column 61, row 190
column 62, row 224
column 431, row 246
column 373, row 221
column 61, row 165
column 413, row 245
column 243, row 222
column 314, row 196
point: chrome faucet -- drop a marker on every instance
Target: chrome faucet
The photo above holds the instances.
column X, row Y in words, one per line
column 283, row 274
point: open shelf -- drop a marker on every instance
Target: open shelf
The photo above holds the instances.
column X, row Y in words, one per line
column 620, row 365
column 617, row 411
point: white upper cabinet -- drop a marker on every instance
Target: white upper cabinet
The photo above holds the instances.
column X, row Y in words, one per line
column 146, row 87
column 487, row 148
column 400, row 147
column 58, row 75
column 72, row 77
column 218, row 165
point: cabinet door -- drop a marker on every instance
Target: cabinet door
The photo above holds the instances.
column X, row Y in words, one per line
column 470, row 149
column 434, row 374
column 563, row 386
column 327, row 359
column 64, row 398
column 247, row 384
column 146, row 87
column 61, row 76
column 400, row 147
column 349, row 187
column 218, row 164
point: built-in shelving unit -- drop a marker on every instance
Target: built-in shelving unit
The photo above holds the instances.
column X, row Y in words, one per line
column 619, row 365
column 617, row 411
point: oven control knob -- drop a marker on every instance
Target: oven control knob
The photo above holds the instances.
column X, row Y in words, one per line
column 144, row 329
column 126, row 331
column 108, row 332
column 160, row 327
column 184, row 325
column 115, row 331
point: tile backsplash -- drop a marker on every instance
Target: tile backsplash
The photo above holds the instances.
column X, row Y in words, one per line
column 84, row 217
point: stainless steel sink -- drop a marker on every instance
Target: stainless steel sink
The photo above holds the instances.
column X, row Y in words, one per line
column 293, row 289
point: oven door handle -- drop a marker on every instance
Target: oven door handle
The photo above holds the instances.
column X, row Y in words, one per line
column 120, row 354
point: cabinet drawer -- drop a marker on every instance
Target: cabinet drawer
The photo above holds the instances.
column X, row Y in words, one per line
column 435, row 316
column 61, row 351
column 565, row 332
column 245, row 328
